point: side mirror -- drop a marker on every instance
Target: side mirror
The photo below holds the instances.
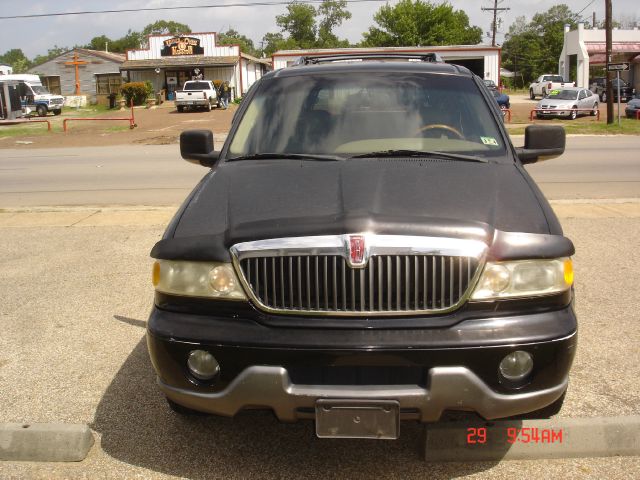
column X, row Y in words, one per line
column 196, row 146
column 542, row 142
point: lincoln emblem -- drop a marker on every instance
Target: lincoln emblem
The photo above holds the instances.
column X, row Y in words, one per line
column 357, row 250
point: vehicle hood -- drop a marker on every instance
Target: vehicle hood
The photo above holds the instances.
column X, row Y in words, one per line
column 253, row 200
column 555, row 103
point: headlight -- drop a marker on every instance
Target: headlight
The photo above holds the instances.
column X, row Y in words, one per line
column 197, row 279
column 524, row 278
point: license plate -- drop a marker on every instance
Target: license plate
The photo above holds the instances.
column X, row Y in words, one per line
column 546, row 111
column 337, row 418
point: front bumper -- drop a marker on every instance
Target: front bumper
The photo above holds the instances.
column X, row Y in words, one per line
column 427, row 370
column 554, row 113
column 449, row 388
column 203, row 102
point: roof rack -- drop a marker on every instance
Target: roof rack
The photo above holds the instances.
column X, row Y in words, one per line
column 422, row 57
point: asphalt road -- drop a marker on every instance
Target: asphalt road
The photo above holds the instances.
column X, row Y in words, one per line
column 74, row 305
column 592, row 167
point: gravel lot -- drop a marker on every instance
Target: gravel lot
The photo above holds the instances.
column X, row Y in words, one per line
column 75, row 302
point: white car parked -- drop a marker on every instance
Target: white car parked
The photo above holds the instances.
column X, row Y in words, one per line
column 568, row 102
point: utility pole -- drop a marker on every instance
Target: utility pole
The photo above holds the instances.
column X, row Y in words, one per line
column 609, row 90
column 494, row 25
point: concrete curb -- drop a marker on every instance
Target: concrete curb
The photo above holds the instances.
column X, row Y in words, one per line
column 45, row 442
column 516, row 439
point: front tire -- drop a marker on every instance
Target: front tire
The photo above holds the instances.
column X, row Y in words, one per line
column 574, row 114
column 41, row 110
column 594, row 112
column 532, row 95
column 57, row 112
column 208, row 107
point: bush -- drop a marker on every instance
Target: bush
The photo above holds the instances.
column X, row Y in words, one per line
column 138, row 91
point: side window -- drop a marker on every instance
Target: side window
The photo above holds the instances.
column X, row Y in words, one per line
column 582, row 95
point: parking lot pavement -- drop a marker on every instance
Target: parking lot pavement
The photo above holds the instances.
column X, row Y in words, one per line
column 74, row 306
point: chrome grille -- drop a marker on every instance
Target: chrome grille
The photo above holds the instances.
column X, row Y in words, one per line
column 388, row 283
column 359, row 274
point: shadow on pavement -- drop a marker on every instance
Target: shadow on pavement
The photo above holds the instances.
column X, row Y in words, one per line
column 138, row 428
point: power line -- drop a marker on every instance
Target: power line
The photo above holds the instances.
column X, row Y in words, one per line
column 187, row 7
column 588, row 5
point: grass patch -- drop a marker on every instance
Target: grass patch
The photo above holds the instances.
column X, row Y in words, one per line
column 88, row 111
column 117, row 128
column 10, row 131
column 628, row 126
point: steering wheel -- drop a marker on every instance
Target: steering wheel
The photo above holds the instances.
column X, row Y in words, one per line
column 441, row 126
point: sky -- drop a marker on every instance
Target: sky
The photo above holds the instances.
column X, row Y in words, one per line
column 36, row 35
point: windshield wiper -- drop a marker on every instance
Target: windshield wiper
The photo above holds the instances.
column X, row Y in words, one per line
column 286, row 156
column 421, row 153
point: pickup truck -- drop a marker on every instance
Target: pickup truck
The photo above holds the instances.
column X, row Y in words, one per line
column 546, row 83
column 196, row 94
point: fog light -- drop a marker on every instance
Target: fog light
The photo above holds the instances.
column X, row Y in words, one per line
column 202, row 365
column 516, row 366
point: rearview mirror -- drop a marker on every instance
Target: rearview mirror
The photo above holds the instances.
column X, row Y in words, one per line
column 196, row 146
column 542, row 143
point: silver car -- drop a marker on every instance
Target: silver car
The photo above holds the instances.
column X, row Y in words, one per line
column 568, row 102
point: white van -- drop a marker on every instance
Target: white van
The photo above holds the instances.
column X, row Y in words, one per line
column 34, row 96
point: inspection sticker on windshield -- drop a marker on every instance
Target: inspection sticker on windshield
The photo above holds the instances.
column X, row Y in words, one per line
column 489, row 141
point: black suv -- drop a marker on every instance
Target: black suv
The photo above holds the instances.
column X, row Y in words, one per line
column 599, row 87
column 367, row 247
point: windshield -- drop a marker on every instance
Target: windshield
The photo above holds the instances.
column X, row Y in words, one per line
column 553, row 78
column 563, row 94
column 196, row 86
column 39, row 90
column 363, row 112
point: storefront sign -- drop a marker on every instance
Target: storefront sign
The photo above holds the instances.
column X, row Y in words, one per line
column 181, row 46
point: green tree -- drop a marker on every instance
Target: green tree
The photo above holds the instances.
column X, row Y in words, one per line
column 233, row 37
column 130, row 40
column 532, row 49
column 332, row 13
column 100, row 43
column 51, row 53
column 276, row 41
column 299, row 22
column 162, row 27
column 420, row 23
column 16, row 59
column 308, row 27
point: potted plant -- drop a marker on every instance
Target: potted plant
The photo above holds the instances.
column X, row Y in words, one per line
column 121, row 102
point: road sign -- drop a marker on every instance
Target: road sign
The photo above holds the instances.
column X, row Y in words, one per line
column 612, row 67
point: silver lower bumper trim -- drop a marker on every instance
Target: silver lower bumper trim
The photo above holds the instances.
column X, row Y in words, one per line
column 450, row 388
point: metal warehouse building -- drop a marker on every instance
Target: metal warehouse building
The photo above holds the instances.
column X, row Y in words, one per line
column 483, row 60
